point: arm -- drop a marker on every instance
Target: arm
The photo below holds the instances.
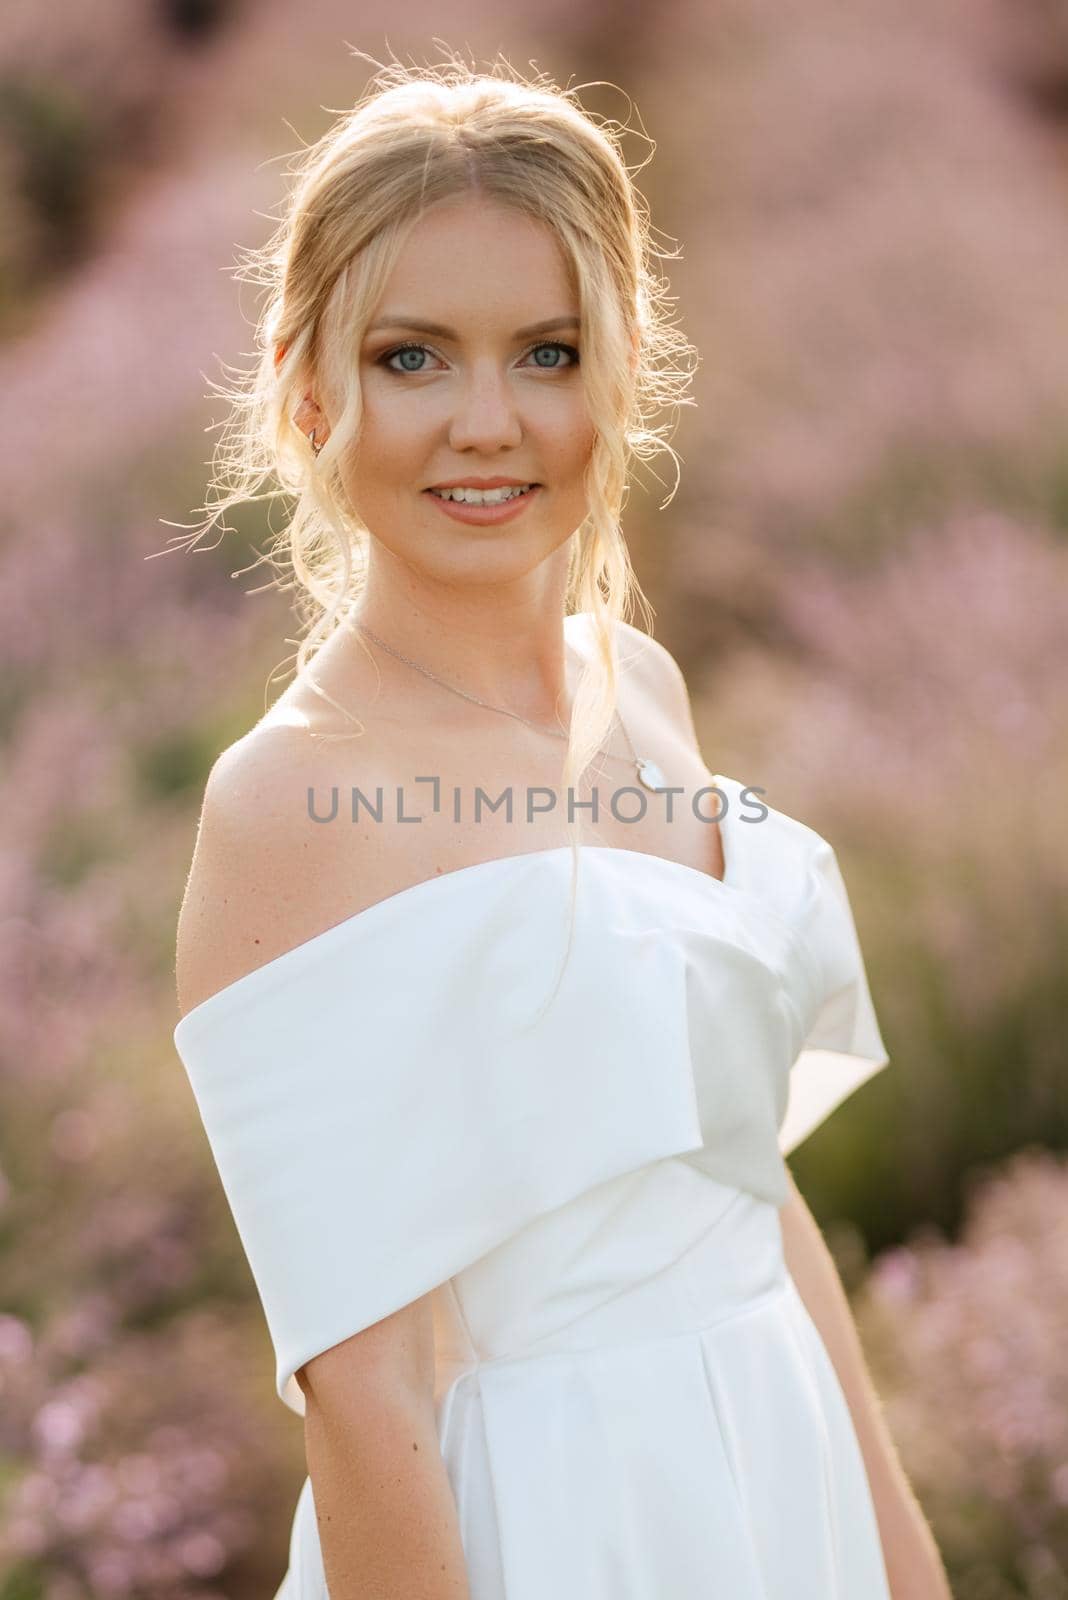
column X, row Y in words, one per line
column 387, row 1518
column 914, row 1567
column 913, row 1564
column 383, row 1502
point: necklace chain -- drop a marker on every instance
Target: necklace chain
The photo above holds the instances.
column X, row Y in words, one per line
column 648, row 772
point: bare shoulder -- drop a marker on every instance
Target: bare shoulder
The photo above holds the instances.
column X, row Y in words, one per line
column 256, row 863
column 661, row 676
column 261, row 882
column 651, row 667
column 637, row 651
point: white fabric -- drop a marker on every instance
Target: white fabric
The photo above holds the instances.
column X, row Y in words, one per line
column 633, row 1402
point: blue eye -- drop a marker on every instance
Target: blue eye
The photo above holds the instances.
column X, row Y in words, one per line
column 403, row 350
column 569, row 349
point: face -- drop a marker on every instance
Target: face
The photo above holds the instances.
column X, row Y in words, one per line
column 494, row 391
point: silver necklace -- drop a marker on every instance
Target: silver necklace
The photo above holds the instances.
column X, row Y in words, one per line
column 649, row 774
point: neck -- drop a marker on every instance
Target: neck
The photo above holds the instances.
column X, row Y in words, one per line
column 525, row 668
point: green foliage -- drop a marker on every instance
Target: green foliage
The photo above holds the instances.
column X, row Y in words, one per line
column 57, row 146
column 176, row 763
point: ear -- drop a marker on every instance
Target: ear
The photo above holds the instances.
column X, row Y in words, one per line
column 308, row 414
column 279, row 357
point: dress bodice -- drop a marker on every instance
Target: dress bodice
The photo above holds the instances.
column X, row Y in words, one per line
column 389, row 1102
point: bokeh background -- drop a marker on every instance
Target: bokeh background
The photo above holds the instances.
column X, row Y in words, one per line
column 864, row 574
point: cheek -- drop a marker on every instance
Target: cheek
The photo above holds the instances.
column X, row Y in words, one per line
column 579, row 426
column 391, row 438
column 564, row 429
column 578, row 445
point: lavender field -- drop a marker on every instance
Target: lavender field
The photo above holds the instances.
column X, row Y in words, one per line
column 864, row 573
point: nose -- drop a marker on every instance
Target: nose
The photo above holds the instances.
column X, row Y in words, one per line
column 486, row 415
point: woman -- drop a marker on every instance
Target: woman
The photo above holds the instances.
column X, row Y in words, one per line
column 499, row 1025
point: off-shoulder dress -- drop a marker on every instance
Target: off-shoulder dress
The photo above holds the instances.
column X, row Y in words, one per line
column 632, row 1400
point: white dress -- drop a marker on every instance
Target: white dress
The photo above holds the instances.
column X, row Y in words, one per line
column 632, row 1400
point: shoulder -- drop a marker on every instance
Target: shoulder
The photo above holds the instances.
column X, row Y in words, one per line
column 649, row 655
column 652, row 668
column 660, row 676
column 255, row 861
column 640, row 655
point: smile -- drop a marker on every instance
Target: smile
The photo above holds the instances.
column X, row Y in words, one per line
column 485, row 507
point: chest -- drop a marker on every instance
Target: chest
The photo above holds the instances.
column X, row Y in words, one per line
column 472, row 799
column 410, row 801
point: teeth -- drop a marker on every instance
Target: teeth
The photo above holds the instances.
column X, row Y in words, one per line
column 482, row 497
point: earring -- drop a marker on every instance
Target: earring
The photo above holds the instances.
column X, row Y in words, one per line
column 311, row 440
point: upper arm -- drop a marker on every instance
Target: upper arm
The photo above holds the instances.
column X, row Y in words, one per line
column 249, row 897
column 394, row 1357
column 794, row 1203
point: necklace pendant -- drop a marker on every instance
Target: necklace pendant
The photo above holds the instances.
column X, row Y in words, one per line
column 650, row 774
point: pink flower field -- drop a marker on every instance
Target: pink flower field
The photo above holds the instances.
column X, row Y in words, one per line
column 863, row 571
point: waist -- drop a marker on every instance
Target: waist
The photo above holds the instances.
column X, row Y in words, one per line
column 735, row 1264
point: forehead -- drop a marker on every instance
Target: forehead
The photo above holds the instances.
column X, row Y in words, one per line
column 472, row 258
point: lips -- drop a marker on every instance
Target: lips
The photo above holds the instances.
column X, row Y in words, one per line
column 486, row 483
column 485, row 513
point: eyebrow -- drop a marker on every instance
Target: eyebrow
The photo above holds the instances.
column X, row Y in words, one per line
column 422, row 326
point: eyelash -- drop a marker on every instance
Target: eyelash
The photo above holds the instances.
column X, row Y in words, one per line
column 412, row 344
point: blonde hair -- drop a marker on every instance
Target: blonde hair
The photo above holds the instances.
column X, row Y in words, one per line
column 420, row 135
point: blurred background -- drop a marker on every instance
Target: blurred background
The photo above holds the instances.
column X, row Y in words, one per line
column 864, row 574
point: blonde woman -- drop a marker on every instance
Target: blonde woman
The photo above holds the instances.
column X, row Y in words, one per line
column 501, row 1010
